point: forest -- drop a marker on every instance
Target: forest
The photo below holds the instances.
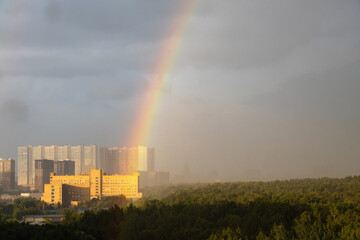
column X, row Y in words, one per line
column 325, row 208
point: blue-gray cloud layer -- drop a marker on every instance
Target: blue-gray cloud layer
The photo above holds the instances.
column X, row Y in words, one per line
column 258, row 90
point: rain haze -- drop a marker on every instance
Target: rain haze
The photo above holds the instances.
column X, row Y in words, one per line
column 258, row 90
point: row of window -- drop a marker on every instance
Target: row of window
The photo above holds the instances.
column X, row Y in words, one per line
column 118, row 180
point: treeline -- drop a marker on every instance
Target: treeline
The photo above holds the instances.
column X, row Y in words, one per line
column 295, row 209
column 21, row 207
column 30, row 206
column 325, row 190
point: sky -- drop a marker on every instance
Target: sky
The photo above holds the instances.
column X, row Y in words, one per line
column 259, row 90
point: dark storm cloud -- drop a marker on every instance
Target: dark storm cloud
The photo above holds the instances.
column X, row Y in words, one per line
column 61, row 23
column 259, row 88
column 250, row 34
column 62, row 39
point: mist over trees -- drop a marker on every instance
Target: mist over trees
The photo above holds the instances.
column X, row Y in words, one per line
column 323, row 208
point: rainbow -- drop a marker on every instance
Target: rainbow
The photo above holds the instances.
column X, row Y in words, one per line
column 145, row 116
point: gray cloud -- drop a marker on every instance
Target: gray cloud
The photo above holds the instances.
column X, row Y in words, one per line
column 250, row 34
column 15, row 111
column 259, row 90
column 333, row 93
column 64, row 24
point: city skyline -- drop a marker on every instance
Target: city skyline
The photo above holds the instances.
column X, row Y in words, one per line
column 114, row 160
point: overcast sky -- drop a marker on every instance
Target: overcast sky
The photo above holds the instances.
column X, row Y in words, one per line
column 259, row 89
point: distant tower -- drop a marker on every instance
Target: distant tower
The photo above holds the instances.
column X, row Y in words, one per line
column 7, row 174
column 77, row 155
column 123, row 155
column 112, row 165
column 89, row 158
column 140, row 158
column 63, row 152
column 24, row 165
column 43, row 168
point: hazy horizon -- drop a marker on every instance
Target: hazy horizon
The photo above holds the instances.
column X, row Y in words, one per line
column 258, row 90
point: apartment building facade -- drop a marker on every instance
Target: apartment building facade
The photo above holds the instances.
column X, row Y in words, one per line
column 69, row 190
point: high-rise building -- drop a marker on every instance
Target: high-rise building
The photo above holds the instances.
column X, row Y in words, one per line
column 63, row 152
column 68, row 190
column 28, row 154
column 77, row 155
column 37, row 153
column 50, row 152
column 131, row 162
column 24, row 165
column 140, row 158
column 43, row 168
column 7, row 174
column 102, row 157
column 89, row 158
column 123, row 155
column 113, row 160
column 112, row 165
column 65, row 167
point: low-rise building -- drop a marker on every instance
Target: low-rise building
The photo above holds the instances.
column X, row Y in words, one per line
column 35, row 195
column 42, row 219
column 68, row 190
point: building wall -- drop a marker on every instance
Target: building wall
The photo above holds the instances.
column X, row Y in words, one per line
column 142, row 158
column 102, row 156
column 131, row 164
column 23, row 165
column 95, row 180
column 63, row 152
column 77, row 155
column 7, row 174
column 53, row 193
column 113, row 161
column 37, row 153
column 76, row 180
column 123, row 155
column 43, row 168
column 74, row 194
column 65, row 167
column 139, row 158
column 127, row 185
column 50, row 152
column 89, row 158
column 86, row 186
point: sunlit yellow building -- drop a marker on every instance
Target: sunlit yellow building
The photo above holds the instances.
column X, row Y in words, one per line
column 68, row 190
